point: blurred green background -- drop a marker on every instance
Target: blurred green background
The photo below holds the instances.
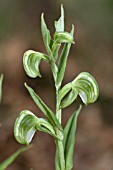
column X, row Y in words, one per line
column 92, row 52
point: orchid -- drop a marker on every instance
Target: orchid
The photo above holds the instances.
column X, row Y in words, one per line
column 84, row 86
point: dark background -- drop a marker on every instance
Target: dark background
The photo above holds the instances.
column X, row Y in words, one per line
column 92, row 52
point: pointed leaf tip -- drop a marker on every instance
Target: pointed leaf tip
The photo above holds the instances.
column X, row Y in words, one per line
column 42, row 15
column 59, row 25
column 25, row 84
column 46, row 35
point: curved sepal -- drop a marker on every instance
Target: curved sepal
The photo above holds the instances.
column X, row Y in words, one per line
column 46, row 127
column 87, row 87
column 66, row 96
column 83, row 85
column 63, row 37
column 31, row 62
column 70, row 97
column 26, row 125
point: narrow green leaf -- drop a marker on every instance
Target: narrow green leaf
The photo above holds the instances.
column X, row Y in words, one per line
column 69, row 139
column 60, row 36
column 46, row 35
column 54, row 70
column 59, row 25
column 31, row 62
column 71, row 96
column 9, row 160
column 55, row 50
column 63, row 60
column 1, row 82
column 48, row 113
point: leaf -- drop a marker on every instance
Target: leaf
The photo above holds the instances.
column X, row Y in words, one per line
column 9, row 160
column 1, row 82
column 60, row 36
column 46, row 35
column 63, row 37
column 55, row 50
column 87, row 87
column 59, row 25
column 26, row 125
column 54, row 70
column 63, row 60
column 69, row 139
column 42, row 106
column 31, row 62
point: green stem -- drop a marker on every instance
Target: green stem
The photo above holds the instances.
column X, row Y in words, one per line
column 59, row 133
column 59, row 143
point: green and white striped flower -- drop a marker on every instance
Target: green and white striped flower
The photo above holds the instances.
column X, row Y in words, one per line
column 26, row 125
column 83, row 85
column 31, row 62
column 87, row 87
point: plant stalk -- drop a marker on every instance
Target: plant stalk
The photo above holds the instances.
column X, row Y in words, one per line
column 59, row 133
